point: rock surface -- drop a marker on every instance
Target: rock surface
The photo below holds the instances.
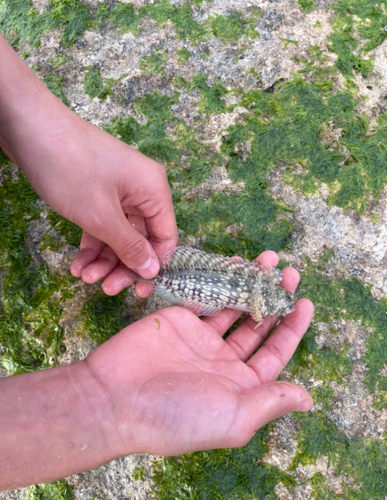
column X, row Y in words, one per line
column 354, row 241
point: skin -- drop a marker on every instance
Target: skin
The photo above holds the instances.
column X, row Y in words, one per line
column 187, row 390
column 167, row 384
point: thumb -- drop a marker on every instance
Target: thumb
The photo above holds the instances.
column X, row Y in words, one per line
column 132, row 248
column 270, row 401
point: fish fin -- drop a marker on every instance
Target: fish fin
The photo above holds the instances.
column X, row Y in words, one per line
column 169, row 295
column 136, row 276
column 186, row 258
column 258, row 310
column 195, row 306
column 209, row 309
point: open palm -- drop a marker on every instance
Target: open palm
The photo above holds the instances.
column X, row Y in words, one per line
column 176, row 386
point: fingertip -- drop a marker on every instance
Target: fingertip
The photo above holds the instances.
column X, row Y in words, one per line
column 75, row 269
column 88, row 276
column 291, row 272
column 275, row 399
column 150, row 269
column 290, row 279
column 83, row 258
column 143, row 290
column 307, row 403
column 111, row 290
column 293, row 397
column 305, row 306
column 131, row 247
column 268, row 258
column 307, row 303
column 117, row 281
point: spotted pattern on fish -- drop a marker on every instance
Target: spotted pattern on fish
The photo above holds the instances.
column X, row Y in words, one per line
column 207, row 283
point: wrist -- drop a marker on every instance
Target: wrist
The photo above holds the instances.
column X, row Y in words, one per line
column 59, row 424
column 109, row 407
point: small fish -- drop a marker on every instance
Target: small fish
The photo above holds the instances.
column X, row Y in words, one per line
column 207, row 283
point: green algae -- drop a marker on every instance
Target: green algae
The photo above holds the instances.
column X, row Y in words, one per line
column 351, row 300
column 226, row 28
column 318, row 436
column 123, row 15
column 295, row 125
column 186, row 27
column 292, row 131
column 231, row 28
column 58, row 61
column 183, row 55
column 150, row 138
column 366, row 460
column 72, row 14
column 4, row 160
column 57, row 490
column 363, row 460
column 254, row 209
column 373, row 19
column 154, row 63
column 105, row 316
column 347, row 190
column 306, row 5
column 219, row 474
column 287, row 42
column 62, row 231
column 212, row 96
column 30, row 307
column 21, row 20
column 322, row 363
column 95, row 86
column 369, row 19
column 344, row 44
column 55, row 85
column 139, row 474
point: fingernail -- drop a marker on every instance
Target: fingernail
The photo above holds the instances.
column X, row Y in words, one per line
column 306, row 405
column 149, row 269
column 89, row 278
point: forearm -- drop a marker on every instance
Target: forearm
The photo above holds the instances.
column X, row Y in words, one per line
column 30, row 115
column 53, row 423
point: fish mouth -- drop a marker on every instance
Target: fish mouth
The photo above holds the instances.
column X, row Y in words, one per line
column 285, row 304
column 290, row 304
column 287, row 310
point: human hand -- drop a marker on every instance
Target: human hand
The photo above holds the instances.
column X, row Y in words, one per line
column 126, row 208
column 118, row 196
column 134, row 204
column 167, row 384
column 175, row 386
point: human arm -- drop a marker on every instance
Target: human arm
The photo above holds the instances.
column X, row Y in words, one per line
column 114, row 193
column 167, row 384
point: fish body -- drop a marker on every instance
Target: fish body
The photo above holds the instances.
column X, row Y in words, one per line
column 207, row 283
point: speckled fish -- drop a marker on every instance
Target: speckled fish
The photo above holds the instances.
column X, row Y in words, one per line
column 207, row 283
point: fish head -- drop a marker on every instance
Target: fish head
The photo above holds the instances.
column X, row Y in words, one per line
column 270, row 300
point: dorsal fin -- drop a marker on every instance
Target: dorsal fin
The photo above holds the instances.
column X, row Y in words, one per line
column 189, row 259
